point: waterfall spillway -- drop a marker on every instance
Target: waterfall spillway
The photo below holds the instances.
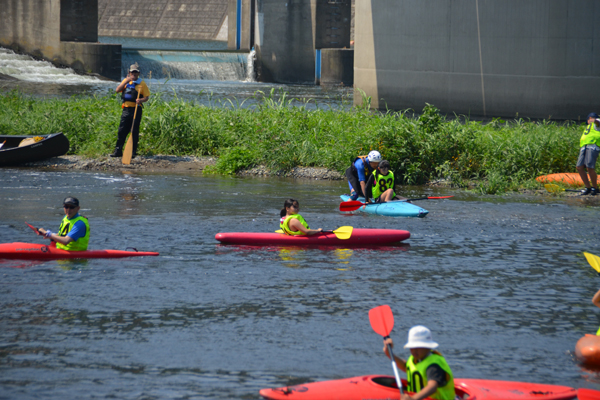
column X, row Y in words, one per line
column 190, row 65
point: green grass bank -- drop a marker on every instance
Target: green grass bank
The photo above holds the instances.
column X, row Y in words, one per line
column 498, row 156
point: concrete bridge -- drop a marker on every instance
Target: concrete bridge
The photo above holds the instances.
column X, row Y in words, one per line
column 494, row 58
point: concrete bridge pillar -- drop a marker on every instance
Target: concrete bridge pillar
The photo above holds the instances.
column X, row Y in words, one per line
column 64, row 32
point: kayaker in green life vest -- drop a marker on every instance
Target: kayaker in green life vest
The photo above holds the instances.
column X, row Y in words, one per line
column 588, row 154
column 291, row 222
column 427, row 372
column 74, row 231
column 382, row 183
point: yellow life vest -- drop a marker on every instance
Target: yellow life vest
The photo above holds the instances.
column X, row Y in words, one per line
column 417, row 376
column 285, row 225
column 590, row 136
column 383, row 183
column 80, row 244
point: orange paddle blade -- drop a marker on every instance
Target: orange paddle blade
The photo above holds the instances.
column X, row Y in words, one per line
column 382, row 320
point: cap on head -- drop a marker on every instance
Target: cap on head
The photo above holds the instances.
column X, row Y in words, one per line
column 593, row 115
column 374, row 156
column 134, row 68
column 420, row 337
column 72, row 201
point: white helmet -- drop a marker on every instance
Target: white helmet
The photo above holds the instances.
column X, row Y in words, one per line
column 374, row 156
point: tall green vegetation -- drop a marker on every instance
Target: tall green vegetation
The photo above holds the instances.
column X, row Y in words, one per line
column 498, row 156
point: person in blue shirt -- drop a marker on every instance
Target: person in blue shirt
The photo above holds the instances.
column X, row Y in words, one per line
column 358, row 173
column 74, row 231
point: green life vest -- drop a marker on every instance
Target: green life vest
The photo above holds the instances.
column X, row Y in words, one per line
column 383, row 183
column 285, row 225
column 80, row 244
column 417, row 376
column 590, row 136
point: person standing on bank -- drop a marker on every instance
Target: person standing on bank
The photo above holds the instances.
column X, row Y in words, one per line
column 359, row 172
column 588, row 154
column 74, row 231
column 130, row 88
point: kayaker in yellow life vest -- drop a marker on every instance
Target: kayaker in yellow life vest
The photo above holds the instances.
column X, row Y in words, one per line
column 427, row 372
column 588, row 154
column 382, row 183
column 291, row 222
column 74, row 231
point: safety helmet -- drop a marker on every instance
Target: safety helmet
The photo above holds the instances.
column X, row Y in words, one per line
column 374, row 156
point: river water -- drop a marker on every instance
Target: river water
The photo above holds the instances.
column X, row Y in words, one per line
column 500, row 280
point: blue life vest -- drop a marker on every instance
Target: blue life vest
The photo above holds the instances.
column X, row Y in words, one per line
column 129, row 94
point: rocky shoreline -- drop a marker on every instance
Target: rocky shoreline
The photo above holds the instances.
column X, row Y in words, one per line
column 174, row 164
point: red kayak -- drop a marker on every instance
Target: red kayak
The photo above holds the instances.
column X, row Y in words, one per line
column 380, row 387
column 358, row 237
column 35, row 251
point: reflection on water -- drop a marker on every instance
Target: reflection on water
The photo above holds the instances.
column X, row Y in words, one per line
column 501, row 281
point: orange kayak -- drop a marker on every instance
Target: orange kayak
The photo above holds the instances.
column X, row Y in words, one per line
column 587, row 351
column 384, row 387
column 570, row 178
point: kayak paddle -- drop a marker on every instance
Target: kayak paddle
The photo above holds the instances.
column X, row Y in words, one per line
column 36, row 230
column 588, row 394
column 382, row 322
column 353, row 205
column 594, row 261
column 552, row 188
column 343, row 232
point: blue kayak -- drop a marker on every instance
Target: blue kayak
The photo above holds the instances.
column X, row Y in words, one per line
column 394, row 208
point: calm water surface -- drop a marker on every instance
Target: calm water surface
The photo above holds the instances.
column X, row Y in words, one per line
column 501, row 282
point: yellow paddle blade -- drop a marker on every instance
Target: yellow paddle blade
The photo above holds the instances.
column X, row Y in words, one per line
column 553, row 188
column 593, row 260
column 343, row 232
column 279, row 231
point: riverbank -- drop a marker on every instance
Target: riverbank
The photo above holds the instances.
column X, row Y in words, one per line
column 172, row 164
column 191, row 164
column 275, row 137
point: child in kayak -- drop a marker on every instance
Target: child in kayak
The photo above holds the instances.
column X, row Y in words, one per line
column 291, row 222
column 381, row 183
column 427, row 372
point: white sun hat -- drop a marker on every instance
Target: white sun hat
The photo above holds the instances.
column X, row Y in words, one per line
column 420, row 337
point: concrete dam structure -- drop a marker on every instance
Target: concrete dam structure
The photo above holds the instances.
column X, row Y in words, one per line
column 61, row 31
column 510, row 58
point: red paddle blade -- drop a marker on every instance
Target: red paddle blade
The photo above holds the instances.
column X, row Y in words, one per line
column 350, row 205
column 588, row 394
column 382, row 320
column 34, row 228
column 440, row 197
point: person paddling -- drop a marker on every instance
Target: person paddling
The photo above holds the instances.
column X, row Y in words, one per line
column 427, row 372
column 359, row 172
column 291, row 222
column 74, row 231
